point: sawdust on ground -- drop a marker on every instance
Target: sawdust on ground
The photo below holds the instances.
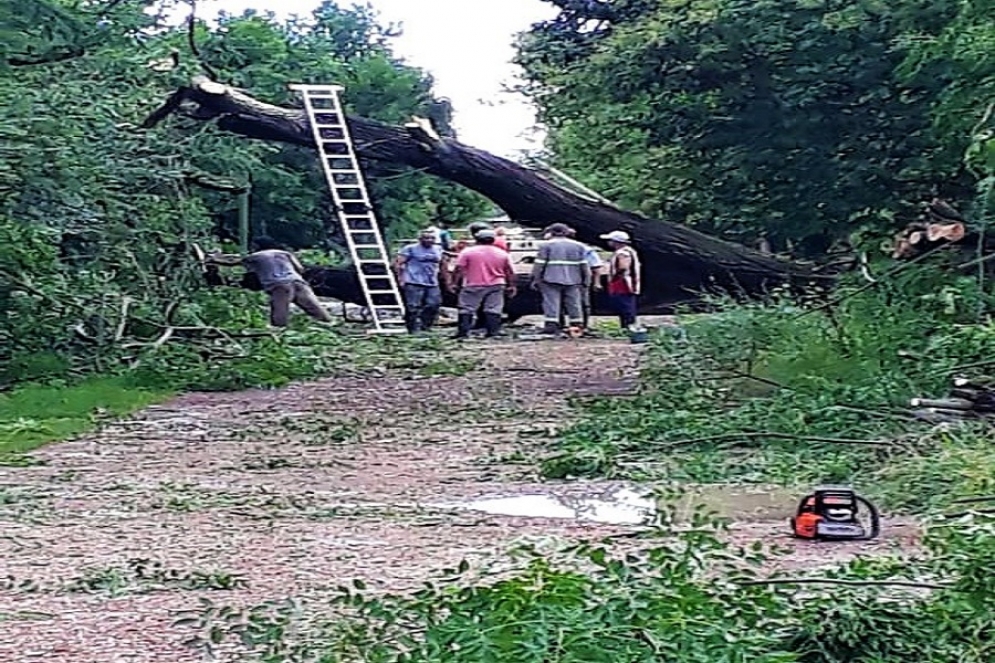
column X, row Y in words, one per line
column 297, row 491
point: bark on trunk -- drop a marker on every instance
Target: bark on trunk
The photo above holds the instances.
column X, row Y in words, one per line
column 679, row 263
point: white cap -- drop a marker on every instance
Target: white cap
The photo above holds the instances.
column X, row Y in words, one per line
column 617, row 236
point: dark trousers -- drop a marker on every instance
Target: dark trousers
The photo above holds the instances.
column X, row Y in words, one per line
column 625, row 307
column 421, row 304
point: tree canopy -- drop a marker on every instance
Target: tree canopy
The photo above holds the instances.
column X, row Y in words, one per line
column 93, row 209
column 800, row 120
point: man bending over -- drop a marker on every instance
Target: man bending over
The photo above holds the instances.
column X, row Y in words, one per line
column 282, row 278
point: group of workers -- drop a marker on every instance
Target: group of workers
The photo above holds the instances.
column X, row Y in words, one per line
column 565, row 272
column 481, row 274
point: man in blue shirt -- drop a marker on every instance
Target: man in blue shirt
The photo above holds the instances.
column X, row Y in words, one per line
column 417, row 268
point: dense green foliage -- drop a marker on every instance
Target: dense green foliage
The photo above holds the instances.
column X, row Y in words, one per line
column 98, row 217
column 800, row 391
column 800, row 120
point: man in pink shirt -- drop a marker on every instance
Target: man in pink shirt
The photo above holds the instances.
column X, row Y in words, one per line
column 483, row 274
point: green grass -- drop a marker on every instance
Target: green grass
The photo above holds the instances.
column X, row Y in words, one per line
column 33, row 415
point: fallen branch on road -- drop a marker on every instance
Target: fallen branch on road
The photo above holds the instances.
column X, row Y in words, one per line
column 730, row 437
column 847, row 583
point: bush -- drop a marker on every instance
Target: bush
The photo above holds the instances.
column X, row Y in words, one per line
column 805, row 396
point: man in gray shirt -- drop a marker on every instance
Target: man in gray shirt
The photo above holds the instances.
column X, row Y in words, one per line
column 561, row 273
column 281, row 276
column 417, row 268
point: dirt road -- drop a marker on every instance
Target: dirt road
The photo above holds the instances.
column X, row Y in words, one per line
column 269, row 494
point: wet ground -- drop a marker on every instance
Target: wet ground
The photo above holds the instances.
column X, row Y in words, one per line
column 259, row 495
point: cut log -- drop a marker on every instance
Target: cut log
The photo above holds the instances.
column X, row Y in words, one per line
column 679, row 263
column 943, row 403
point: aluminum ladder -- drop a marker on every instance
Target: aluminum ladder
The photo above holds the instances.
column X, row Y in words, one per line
column 352, row 205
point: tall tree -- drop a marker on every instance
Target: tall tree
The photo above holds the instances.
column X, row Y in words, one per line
column 747, row 117
column 96, row 216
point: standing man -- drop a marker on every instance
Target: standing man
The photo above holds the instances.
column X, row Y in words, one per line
column 624, row 277
column 561, row 273
column 417, row 267
column 483, row 274
column 281, row 276
column 597, row 269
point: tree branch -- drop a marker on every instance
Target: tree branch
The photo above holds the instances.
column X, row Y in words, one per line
column 192, row 42
column 49, row 57
column 728, row 437
column 847, row 583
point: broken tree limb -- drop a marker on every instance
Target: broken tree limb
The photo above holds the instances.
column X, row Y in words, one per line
column 753, row 435
column 679, row 263
column 847, row 583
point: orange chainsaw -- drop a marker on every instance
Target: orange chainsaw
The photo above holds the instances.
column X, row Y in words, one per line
column 836, row 513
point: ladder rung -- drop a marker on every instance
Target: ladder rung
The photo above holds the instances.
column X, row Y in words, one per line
column 380, row 292
column 367, row 261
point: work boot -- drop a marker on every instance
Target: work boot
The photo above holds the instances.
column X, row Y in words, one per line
column 428, row 318
column 492, row 322
column 412, row 323
column 551, row 328
column 463, row 324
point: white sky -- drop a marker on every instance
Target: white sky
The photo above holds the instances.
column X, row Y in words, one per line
column 467, row 45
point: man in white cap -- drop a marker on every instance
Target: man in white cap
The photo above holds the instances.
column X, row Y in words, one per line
column 624, row 277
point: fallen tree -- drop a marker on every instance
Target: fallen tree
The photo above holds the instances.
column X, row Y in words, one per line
column 679, row 263
column 342, row 284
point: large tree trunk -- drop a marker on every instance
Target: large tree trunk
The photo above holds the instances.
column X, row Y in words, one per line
column 342, row 284
column 679, row 263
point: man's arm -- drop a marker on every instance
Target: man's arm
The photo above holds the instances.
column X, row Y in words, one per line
column 399, row 262
column 596, row 273
column 510, row 277
column 457, row 280
column 539, row 266
column 295, row 263
column 224, row 259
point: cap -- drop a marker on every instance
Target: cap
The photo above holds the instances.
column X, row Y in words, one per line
column 428, row 232
column 486, row 233
column 617, row 236
column 559, row 229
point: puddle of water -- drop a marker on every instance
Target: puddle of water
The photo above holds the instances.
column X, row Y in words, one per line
column 623, row 507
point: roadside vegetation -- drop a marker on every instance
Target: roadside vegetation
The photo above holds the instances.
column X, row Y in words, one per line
column 782, row 394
